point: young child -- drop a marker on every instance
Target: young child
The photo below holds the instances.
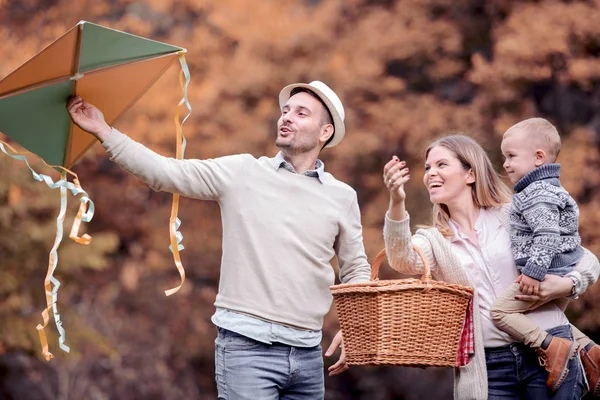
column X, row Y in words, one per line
column 544, row 235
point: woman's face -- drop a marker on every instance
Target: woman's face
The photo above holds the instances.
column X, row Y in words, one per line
column 445, row 177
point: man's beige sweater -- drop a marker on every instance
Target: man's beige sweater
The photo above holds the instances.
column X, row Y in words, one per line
column 280, row 230
column 470, row 381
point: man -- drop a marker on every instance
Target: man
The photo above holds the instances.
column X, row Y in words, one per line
column 284, row 219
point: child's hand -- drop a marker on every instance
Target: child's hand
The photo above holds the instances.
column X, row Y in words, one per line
column 528, row 285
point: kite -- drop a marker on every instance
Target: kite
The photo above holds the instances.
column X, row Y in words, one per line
column 108, row 68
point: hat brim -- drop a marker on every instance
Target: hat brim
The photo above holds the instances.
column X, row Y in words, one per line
column 338, row 123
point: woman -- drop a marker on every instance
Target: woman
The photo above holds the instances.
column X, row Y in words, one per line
column 469, row 244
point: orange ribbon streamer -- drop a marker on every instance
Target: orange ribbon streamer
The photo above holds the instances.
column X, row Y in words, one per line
column 175, row 236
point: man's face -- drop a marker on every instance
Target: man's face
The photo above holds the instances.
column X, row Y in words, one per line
column 519, row 155
column 300, row 124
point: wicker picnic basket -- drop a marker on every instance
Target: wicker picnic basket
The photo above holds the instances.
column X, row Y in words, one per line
column 409, row 322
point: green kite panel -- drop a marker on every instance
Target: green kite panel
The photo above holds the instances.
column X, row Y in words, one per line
column 44, row 128
column 103, row 47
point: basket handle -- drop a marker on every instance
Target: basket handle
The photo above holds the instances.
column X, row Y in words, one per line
column 381, row 255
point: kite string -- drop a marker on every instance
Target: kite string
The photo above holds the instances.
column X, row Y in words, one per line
column 84, row 214
column 176, row 237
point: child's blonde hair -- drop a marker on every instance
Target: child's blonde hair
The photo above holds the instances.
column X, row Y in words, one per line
column 542, row 134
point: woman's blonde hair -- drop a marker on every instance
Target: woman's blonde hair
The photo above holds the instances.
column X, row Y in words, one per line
column 488, row 190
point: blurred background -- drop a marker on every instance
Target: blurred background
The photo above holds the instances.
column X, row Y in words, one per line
column 407, row 72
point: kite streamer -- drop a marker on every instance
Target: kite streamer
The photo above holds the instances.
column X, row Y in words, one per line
column 174, row 222
column 85, row 214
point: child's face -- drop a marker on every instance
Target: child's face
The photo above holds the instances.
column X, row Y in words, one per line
column 519, row 155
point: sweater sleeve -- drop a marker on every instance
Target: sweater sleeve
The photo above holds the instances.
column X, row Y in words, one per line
column 586, row 271
column 349, row 247
column 542, row 214
column 399, row 248
column 199, row 179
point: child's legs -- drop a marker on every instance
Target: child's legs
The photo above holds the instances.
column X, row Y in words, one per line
column 507, row 315
column 579, row 336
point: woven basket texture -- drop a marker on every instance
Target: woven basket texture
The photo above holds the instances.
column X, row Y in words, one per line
column 409, row 322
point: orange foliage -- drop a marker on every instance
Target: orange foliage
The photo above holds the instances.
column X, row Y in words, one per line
column 407, row 71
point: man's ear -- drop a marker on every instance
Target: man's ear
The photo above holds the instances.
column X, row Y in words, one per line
column 326, row 132
column 540, row 157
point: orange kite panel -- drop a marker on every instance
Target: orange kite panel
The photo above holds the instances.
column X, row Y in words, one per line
column 55, row 61
column 114, row 90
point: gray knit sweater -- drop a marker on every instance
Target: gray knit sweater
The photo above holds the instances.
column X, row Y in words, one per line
column 544, row 220
column 470, row 381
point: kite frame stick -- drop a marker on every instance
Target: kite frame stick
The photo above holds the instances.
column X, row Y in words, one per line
column 74, row 72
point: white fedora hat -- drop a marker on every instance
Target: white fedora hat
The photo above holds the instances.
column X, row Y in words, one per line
column 331, row 100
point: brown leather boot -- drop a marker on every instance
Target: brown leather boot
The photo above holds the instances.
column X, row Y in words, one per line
column 556, row 360
column 591, row 365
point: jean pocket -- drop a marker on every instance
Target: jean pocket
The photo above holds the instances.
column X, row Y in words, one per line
column 499, row 357
column 239, row 342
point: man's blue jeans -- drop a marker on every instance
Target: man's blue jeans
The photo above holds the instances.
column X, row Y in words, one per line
column 514, row 372
column 251, row 370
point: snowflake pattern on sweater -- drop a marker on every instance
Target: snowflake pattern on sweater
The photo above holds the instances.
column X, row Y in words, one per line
column 544, row 221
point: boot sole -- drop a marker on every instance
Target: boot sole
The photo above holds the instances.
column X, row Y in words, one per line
column 596, row 391
column 565, row 369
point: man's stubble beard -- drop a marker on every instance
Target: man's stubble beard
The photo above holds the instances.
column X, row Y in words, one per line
column 292, row 147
